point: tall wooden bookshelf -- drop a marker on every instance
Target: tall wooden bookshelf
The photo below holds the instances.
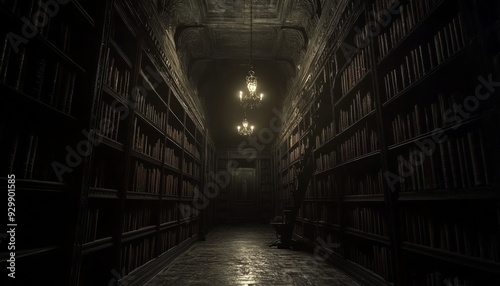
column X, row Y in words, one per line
column 159, row 146
column 405, row 190
column 98, row 71
column 266, row 189
column 44, row 80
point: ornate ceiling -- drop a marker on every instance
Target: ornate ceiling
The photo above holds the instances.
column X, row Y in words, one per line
column 208, row 31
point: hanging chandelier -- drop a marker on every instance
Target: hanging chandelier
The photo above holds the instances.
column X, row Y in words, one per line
column 246, row 130
column 251, row 100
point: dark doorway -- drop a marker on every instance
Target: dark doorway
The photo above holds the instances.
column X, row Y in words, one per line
column 245, row 197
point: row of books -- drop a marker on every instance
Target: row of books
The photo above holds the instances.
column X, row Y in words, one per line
column 29, row 71
column 344, row 18
column 284, row 162
column 101, row 177
column 458, row 162
column 191, row 168
column 306, row 211
column 174, row 134
column 450, row 235
column 137, row 218
column 117, row 77
column 359, row 184
column 18, row 151
column 167, row 240
column 368, row 220
column 380, row 7
column 327, row 133
column 90, row 232
column 109, row 124
column 59, row 33
column 356, row 69
column 169, row 213
column 362, row 35
column 325, row 187
column 142, row 144
column 146, row 179
column 188, row 189
column 424, row 58
column 138, row 253
column 171, row 185
column 415, row 176
column 424, row 118
column 296, row 152
column 188, row 230
column 150, row 111
column 191, row 148
column 376, row 259
column 358, row 108
column 410, row 14
column 438, row 279
column 325, row 161
column 361, row 142
column 171, row 158
column 294, row 138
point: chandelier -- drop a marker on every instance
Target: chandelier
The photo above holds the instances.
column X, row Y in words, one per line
column 251, row 99
column 246, row 130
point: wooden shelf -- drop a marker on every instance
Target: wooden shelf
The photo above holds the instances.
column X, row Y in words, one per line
column 102, row 193
column 120, row 52
column 37, row 185
column 142, row 196
column 138, row 233
column 485, row 193
column 28, row 253
column 454, row 258
column 379, row 198
column 366, row 235
column 97, row 245
column 146, row 158
column 37, row 106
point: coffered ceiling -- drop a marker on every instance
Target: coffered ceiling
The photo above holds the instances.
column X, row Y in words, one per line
column 219, row 30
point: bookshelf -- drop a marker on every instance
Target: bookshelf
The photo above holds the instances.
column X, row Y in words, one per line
column 266, row 189
column 156, row 142
column 95, row 73
column 44, row 76
column 405, row 190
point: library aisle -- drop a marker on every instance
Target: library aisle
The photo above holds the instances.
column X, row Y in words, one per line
column 240, row 255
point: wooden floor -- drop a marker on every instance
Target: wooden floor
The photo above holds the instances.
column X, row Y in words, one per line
column 240, row 255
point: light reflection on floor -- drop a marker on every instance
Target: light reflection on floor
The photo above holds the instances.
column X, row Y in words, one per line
column 240, row 255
